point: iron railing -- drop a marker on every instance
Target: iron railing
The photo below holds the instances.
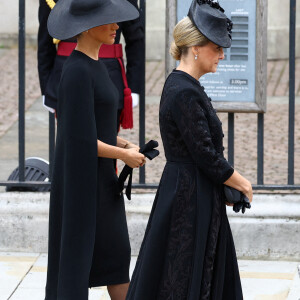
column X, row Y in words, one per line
column 142, row 126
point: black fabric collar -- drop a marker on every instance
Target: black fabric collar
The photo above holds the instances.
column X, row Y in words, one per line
column 188, row 76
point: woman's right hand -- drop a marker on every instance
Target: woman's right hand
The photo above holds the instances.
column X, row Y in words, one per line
column 133, row 158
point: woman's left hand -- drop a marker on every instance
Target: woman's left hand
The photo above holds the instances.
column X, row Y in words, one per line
column 133, row 146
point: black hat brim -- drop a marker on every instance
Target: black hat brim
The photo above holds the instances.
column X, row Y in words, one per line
column 211, row 22
column 63, row 25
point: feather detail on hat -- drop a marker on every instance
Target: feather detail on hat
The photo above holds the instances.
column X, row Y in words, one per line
column 229, row 27
column 212, row 4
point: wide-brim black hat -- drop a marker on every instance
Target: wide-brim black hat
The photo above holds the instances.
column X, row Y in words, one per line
column 209, row 18
column 68, row 18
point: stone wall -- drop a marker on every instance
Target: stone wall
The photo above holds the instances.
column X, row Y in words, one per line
column 278, row 29
column 9, row 14
column 278, row 26
column 269, row 230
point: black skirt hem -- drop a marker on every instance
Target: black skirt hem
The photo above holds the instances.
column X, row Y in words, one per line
column 97, row 282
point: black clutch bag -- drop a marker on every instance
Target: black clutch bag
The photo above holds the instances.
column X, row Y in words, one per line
column 237, row 198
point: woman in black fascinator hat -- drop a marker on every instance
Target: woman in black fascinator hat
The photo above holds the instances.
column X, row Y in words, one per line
column 188, row 251
column 88, row 236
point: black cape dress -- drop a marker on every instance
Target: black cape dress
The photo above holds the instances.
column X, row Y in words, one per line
column 88, row 235
column 188, row 251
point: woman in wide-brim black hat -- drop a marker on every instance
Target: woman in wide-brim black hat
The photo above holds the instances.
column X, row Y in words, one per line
column 88, row 236
column 188, row 251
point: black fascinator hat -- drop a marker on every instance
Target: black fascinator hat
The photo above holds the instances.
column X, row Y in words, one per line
column 68, row 18
column 208, row 16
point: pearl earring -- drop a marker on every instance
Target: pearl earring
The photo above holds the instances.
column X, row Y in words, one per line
column 196, row 57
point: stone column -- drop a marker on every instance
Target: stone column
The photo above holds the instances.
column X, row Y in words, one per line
column 278, row 29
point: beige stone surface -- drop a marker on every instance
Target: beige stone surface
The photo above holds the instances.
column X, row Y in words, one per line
column 261, row 280
column 9, row 93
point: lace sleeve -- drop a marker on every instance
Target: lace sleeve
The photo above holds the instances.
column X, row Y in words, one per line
column 192, row 123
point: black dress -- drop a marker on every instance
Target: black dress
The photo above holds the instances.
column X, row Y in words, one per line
column 188, row 250
column 88, row 236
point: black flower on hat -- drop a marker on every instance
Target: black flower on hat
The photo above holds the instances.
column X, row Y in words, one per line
column 229, row 27
column 212, row 4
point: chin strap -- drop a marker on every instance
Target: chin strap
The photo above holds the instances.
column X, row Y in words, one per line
column 51, row 4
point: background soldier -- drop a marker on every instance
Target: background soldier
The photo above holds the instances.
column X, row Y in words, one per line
column 52, row 54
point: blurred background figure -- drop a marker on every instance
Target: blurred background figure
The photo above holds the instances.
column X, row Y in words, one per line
column 53, row 53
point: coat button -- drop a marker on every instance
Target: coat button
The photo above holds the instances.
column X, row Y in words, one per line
column 223, row 148
column 223, row 135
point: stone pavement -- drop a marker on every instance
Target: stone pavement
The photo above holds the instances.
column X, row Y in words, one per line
column 23, row 276
column 9, row 85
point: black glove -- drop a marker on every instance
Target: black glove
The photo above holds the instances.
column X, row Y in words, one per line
column 149, row 151
column 237, row 198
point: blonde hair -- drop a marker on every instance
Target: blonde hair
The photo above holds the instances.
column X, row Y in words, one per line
column 186, row 35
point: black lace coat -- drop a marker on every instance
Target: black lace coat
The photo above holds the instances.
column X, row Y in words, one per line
column 188, row 250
